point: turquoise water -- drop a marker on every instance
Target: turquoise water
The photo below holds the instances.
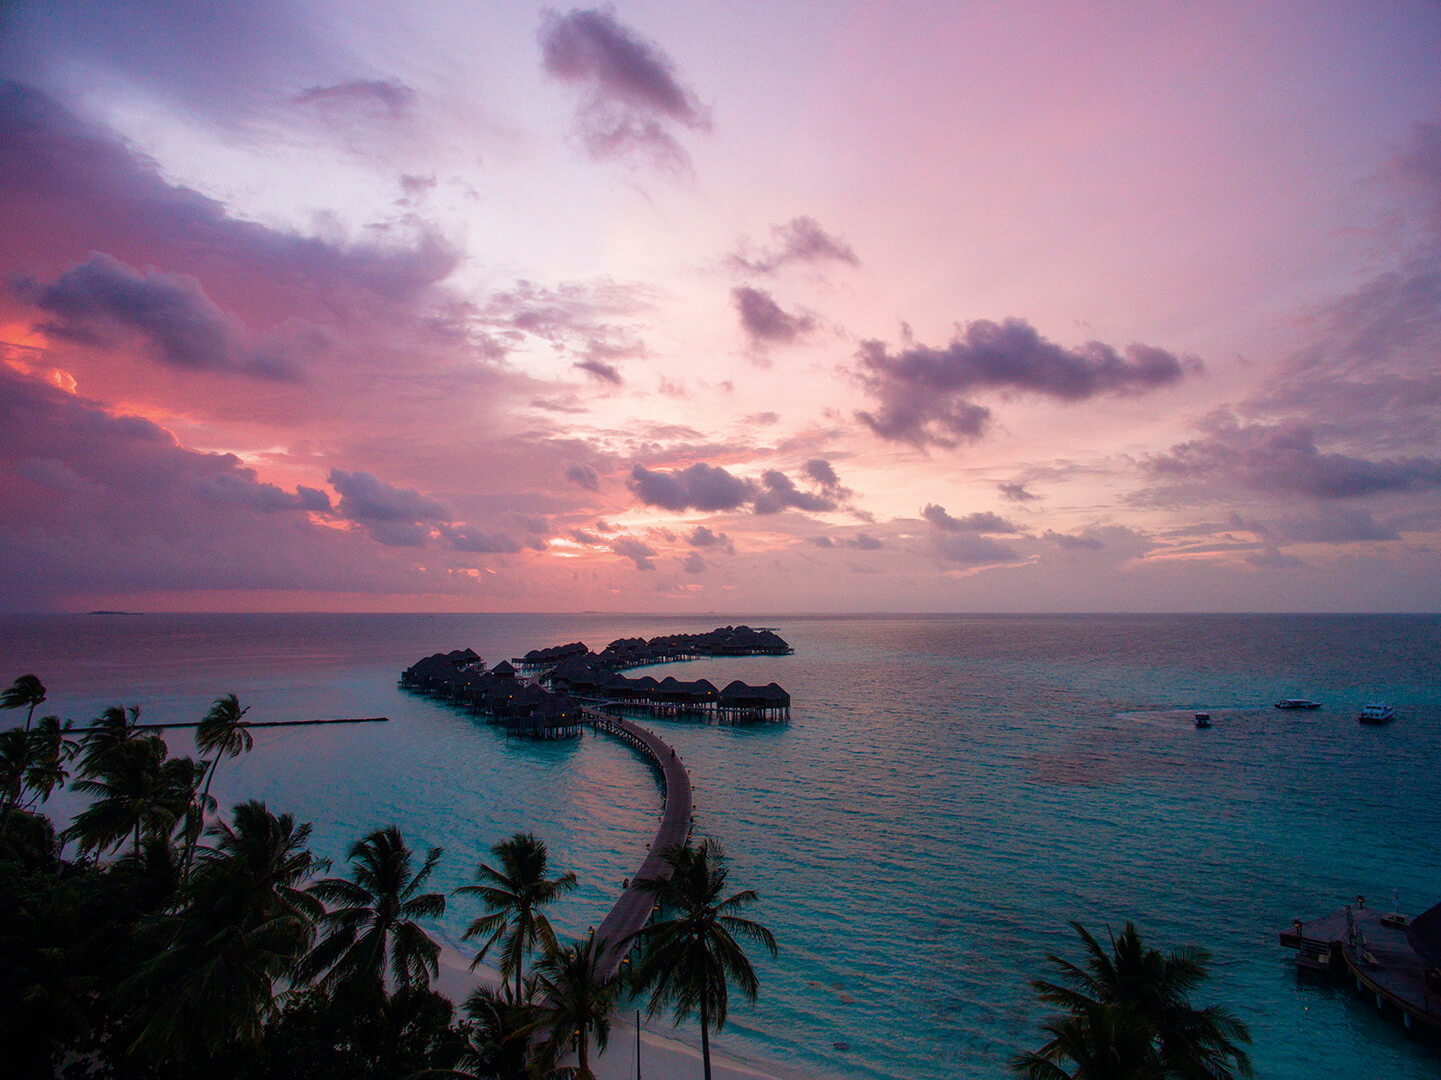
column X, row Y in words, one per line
column 949, row 793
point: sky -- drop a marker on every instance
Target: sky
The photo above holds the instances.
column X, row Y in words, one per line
column 743, row 307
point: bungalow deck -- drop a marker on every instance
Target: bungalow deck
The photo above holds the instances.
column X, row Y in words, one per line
column 1373, row 952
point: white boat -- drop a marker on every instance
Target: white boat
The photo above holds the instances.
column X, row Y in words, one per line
column 1377, row 712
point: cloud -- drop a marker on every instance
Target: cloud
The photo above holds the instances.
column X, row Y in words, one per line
column 469, row 538
column 780, row 493
column 697, row 487
column 822, row 541
column 764, row 321
column 241, row 488
column 389, row 96
column 864, row 542
column 583, row 475
column 637, row 551
column 821, row 471
column 799, row 240
column 1068, row 542
column 979, row 522
column 68, row 188
column 924, row 394
column 185, row 329
column 703, row 537
column 633, row 99
column 587, row 539
column 1273, row 559
column 694, row 564
column 971, row 549
column 600, row 370
column 398, row 517
column 1340, row 525
column 1284, row 459
column 1017, row 493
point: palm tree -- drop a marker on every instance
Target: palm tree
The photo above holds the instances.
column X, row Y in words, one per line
column 245, row 923
column 494, row 1043
column 223, row 734
column 1130, row 1006
column 574, row 1002
column 17, row 758
column 111, row 729
column 690, row 957
column 26, row 690
column 262, row 863
column 514, row 895
column 132, row 796
column 52, row 751
column 376, row 916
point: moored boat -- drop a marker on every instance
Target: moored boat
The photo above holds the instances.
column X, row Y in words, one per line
column 1297, row 703
column 1203, row 719
column 1376, row 712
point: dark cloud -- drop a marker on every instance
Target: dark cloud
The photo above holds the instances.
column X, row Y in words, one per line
column 1284, row 459
column 599, row 369
column 90, row 301
column 387, row 95
column 799, row 240
column 972, row 549
column 924, row 394
column 583, row 475
column 864, row 542
column 780, row 493
column 694, row 564
column 703, row 537
column 1017, row 493
column 240, row 488
column 822, row 541
column 469, row 538
column 588, row 539
column 979, row 522
column 764, row 321
column 711, row 488
column 637, row 551
column 1069, row 542
column 633, row 98
column 1273, row 559
column 821, row 471
column 1335, row 526
column 762, row 419
column 697, row 487
column 398, row 517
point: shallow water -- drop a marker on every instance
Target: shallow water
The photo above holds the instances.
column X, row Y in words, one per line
column 949, row 793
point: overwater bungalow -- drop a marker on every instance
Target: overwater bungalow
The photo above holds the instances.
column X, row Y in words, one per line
column 743, row 703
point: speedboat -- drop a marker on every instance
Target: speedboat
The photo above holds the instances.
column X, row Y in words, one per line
column 1203, row 719
column 1377, row 712
column 1297, row 703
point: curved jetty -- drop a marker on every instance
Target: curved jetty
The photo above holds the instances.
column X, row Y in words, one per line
column 635, row 905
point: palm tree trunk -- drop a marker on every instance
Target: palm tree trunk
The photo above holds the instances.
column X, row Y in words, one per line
column 705, row 1036
column 517, row 984
column 190, row 840
column 583, row 1055
column 30, row 714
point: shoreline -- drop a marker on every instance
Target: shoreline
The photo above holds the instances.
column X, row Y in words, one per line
column 662, row 1054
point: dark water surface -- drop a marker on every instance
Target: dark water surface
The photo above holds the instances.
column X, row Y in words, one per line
column 950, row 791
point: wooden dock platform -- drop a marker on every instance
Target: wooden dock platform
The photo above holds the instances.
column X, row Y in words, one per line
column 633, row 909
column 1371, row 950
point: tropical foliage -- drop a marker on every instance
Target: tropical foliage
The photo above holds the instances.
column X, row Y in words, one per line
column 691, row 956
column 515, row 895
column 1126, row 1014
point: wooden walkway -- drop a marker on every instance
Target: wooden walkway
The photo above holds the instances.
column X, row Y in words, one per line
column 1378, row 958
column 633, row 910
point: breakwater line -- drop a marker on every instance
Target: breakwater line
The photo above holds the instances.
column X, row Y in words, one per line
column 635, row 905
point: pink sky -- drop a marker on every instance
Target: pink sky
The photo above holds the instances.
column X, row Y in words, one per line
column 742, row 307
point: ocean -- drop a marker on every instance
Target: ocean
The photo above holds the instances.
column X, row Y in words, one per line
column 949, row 793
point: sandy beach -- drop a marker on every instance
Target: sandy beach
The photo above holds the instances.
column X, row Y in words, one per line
column 662, row 1056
